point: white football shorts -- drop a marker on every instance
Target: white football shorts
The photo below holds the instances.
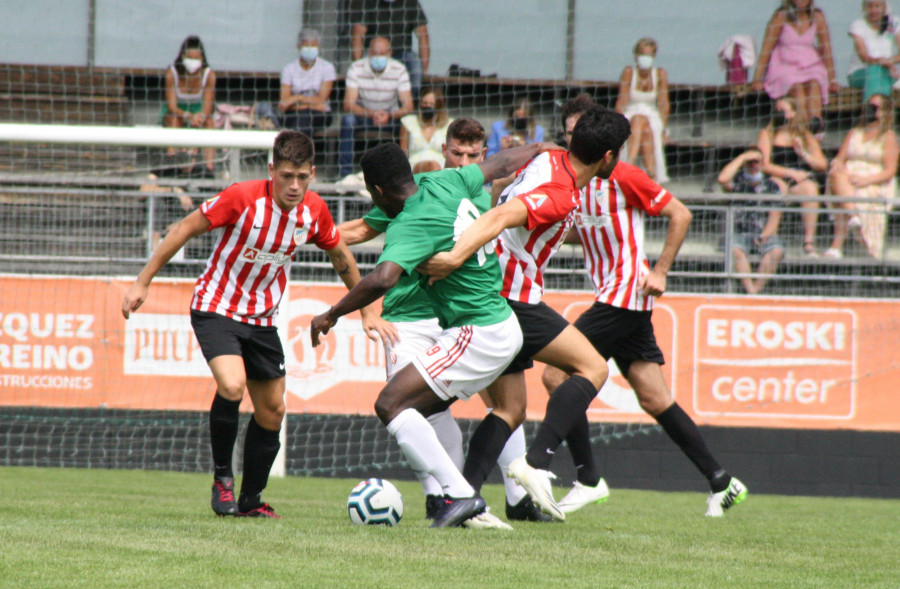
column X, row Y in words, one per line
column 415, row 337
column 466, row 359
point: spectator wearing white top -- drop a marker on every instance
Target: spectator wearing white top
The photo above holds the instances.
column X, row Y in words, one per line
column 873, row 63
column 306, row 86
column 378, row 95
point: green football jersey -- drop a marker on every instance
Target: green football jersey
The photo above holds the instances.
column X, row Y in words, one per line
column 446, row 203
column 406, row 301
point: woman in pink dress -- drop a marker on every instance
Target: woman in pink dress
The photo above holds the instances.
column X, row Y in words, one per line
column 796, row 59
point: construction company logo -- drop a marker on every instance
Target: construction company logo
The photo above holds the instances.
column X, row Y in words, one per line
column 46, row 350
column 535, row 200
column 255, row 256
column 161, row 344
column 616, row 397
column 345, row 353
column 774, row 362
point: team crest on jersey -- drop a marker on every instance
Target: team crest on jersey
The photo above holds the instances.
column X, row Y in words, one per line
column 300, row 235
column 535, row 200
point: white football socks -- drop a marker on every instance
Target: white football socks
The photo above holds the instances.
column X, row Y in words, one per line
column 514, row 448
column 425, row 454
column 450, row 437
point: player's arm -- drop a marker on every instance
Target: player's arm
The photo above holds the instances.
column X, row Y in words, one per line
column 654, row 283
column 486, row 228
column 191, row 226
column 357, row 231
column 507, row 161
column 345, row 265
column 366, row 291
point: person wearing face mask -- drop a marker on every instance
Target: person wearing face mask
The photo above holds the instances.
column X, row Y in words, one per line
column 424, row 132
column 755, row 230
column 306, row 86
column 519, row 128
column 644, row 100
column 876, row 36
column 378, row 95
column 791, row 152
column 190, row 94
column 866, row 167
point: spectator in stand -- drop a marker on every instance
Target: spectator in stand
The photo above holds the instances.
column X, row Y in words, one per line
column 398, row 20
column 796, row 60
column 865, row 166
column 873, row 63
column 644, row 100
column 423, row 133
column 190, row 94
column 519, row 128
column 378, row 95
column 791, row 153
column 755, row 231
column 306, row 85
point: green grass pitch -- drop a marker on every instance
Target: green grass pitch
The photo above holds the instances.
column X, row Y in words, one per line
column 100, row 528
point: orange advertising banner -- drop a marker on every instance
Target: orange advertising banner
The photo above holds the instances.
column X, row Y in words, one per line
column 730, row 361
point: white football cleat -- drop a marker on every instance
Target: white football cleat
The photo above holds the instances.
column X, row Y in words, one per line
column 719, row 502
column 537, row 483
column 486, row 521
column 582, row 495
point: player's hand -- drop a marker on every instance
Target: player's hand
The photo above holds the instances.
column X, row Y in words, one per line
column 377, row 328
column 653, row 284
column 320, row 324
column 438, row 266
column 134, row 298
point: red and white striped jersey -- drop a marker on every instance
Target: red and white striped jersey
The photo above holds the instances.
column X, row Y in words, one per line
column 547, row 187
column 610, row 220
column 249, row 266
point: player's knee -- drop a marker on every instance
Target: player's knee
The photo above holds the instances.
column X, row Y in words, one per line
column 597, row 373
column 231, row 389
column 552, row 378
column 385, row 408
column 655, row 402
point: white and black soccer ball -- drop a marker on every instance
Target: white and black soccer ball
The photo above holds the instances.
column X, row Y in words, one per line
column 375, row 501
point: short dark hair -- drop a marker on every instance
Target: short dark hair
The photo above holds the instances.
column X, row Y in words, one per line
column 293, row 147
column 578, row 105
column 466, row 130
column 598, row 131
column 387, row 167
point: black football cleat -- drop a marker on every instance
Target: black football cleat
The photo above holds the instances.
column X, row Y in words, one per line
column 264, row 510
column 456, row 510
column 223, row 502
column 526, row 511
column 433, row 505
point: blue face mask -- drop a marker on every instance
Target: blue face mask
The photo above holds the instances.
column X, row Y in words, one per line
column 309, row 54
column 378, row 62
column 753, row 178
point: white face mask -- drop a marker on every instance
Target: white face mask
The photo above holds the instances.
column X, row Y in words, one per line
column 753, row 177
column 644, row 62
column 309, row 54
column 192, row 65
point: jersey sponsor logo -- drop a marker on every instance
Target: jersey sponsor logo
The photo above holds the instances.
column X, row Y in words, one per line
column 254, row 256
column 300, row 235
column 535, row 200
column 595, row 220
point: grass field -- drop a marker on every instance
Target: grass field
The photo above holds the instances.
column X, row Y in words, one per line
column 101, row 528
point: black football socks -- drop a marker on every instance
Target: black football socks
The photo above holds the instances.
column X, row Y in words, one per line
column 260, row 448
column 485, row 447
column 223, row 431
column 566, row 406
column 684, row 432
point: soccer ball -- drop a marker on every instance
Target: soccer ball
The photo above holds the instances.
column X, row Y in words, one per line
column 375, row 501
